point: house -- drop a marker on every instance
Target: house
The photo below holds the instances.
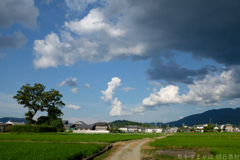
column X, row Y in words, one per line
column 199, row 128
column 173, row 129
column 150, row 130
column 79, row 122
column 8, row 125
column 69, row 127
column 85, row 127
column 123, row 129
column 236, row 130
column 132, row 128
column 229, row 128
column 158, row 130
column 15, row 123
column 102, row 126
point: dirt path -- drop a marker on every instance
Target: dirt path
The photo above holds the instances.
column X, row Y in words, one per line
column 131, row 150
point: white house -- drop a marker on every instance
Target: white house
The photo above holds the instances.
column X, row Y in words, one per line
column 158, row 130
column 149, row 130
column 123, row 129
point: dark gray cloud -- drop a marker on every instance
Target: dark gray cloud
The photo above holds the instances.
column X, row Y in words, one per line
column 204, row 28
column 172, row 72
column 18, row 11
column 15, row 41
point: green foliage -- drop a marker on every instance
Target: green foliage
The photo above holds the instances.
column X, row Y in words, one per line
column 208, row 128
column 30, row 128
column 36, row 99
column 36, row 151
column 219, row 129
column 125, row 123
column 73, row 137
column 58, row 124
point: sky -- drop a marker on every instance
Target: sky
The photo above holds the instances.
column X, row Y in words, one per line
column 136, row 60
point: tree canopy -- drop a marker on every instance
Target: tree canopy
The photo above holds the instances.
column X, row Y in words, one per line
column 36, row 99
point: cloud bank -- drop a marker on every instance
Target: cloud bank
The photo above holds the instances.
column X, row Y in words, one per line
column 206, row 92
column 145, row 29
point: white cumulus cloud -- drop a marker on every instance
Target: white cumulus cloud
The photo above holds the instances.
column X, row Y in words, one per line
column 206, row 92
column 117, row 108
column 70, row 106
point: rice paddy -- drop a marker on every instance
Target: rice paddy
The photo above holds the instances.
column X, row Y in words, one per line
column 206, row 145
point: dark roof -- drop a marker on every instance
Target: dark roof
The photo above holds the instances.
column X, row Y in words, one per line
column 3, row 124
column 87, row 126
column 64, row 121
column 101, row 124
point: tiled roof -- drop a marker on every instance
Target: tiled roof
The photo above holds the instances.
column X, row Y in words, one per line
column 101, row 124
column 87, row 126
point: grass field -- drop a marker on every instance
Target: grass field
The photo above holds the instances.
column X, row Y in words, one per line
column 206, row 145
column 58, row 145
column 35, row 151
column 108, row 138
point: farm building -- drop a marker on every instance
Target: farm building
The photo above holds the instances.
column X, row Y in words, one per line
column 85, row 127
column 101, row 126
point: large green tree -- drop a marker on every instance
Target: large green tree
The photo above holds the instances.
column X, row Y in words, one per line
column 36, row 99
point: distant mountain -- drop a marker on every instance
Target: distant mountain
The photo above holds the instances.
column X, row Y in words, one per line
column 219, row 116
column 5, row 119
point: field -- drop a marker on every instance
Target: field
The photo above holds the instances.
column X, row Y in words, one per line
column 108, row 138
column 59, row 145
column 34, row 151
column 206, row 145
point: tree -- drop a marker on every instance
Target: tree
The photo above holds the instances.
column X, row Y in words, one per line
column 36, row 99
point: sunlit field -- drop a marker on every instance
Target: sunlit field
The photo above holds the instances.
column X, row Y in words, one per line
column 206, row 145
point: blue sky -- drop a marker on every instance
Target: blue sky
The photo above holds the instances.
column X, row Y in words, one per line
column 139, row 60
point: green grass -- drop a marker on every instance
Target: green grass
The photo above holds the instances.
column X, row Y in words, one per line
column 37, row 151
column 217, row 144
column 108, row 138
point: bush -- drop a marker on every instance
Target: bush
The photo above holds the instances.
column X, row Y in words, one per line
column 30, row 128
